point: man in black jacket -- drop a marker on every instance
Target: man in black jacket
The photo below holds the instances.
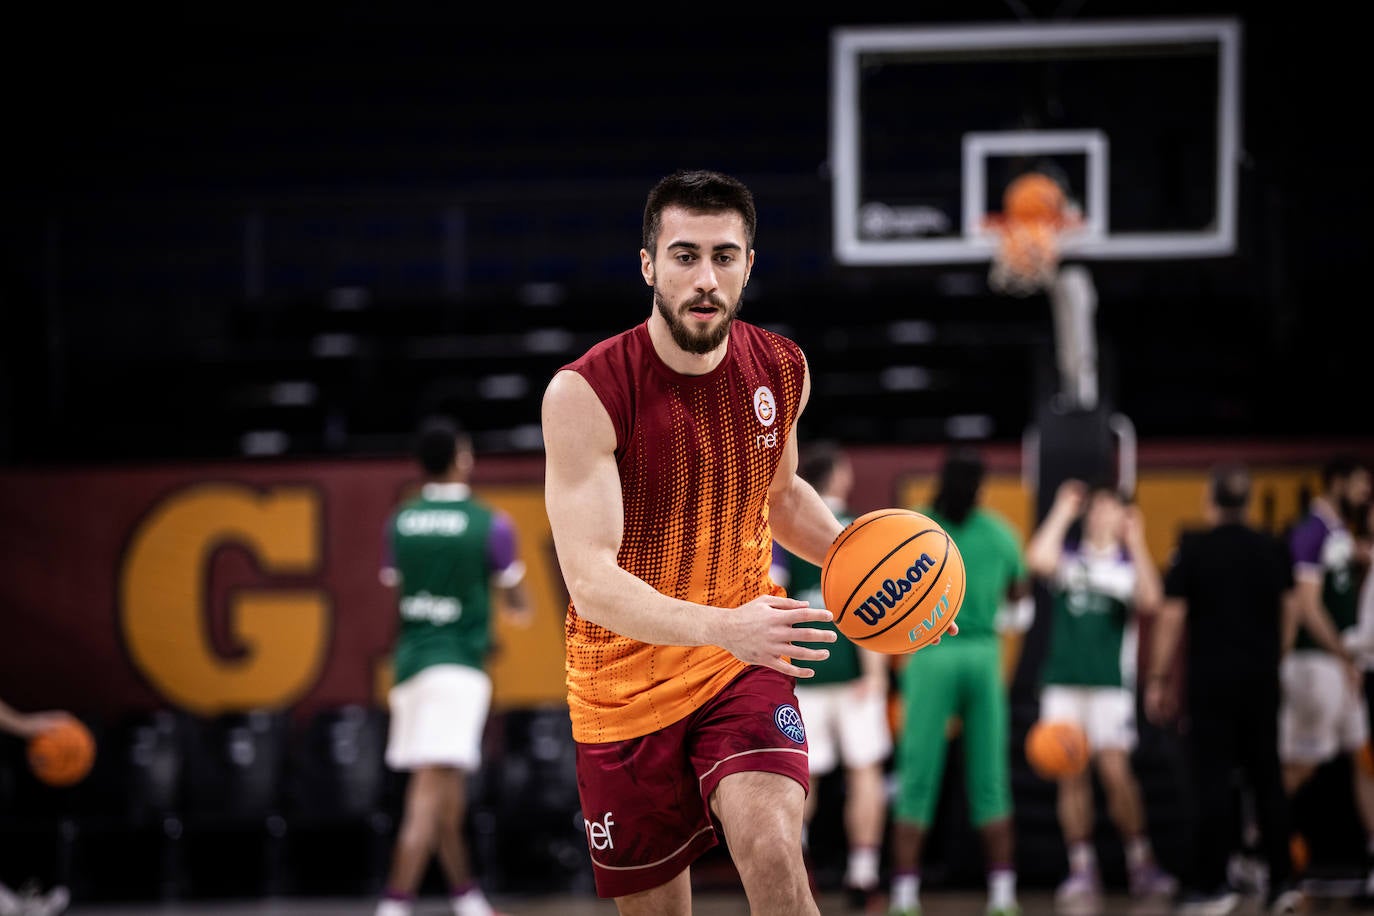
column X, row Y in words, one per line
column 1231, row 587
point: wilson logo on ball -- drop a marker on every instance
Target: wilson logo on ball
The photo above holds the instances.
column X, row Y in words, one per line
column 876, row 606
column 894, row 579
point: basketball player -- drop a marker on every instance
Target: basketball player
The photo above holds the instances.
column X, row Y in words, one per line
column 1099, row 581
column 844, row 706
column 963, row 679
column 671, row 459
column 26, row 725
column 1324, row 711
column 450, row 554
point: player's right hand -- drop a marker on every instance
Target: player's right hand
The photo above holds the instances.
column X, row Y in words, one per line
column 1072, row 494
column 762, row 632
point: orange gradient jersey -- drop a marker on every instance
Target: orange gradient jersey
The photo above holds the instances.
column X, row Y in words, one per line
column 697, row 455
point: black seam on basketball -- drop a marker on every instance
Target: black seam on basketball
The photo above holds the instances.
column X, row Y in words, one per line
column 849, row 531
column 844, row 606
column 944, row 626
column 933, row 579
column 858, row 524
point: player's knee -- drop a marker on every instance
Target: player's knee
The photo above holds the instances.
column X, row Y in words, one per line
column 768, row 850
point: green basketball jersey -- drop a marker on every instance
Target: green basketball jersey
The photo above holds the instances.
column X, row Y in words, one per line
column 1321, row 542
column 1091, row 637
column 992, row 562
column 439, row 548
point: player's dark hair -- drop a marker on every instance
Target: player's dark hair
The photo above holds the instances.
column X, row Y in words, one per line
column 437, row 444
column 961, row 477
column 700, row 191
column 1230, row 488
column 817, row 463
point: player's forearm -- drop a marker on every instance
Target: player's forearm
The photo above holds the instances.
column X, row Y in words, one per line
column 1149, row 588
column 11, row 720
column 1290, row 620
column 873, row 664
column 1318, row 623
column 1047, row 544
column 802, row 522
column 1168, row 627
column 625, row 604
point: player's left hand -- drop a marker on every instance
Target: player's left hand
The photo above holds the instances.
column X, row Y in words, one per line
column 952, row 631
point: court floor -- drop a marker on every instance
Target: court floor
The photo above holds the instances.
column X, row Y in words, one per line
column 953, row 903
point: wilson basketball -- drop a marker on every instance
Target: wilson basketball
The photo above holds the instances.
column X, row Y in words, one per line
column 1034, row 197
column 63, row 754
column 894, row 579
column 1056, row 749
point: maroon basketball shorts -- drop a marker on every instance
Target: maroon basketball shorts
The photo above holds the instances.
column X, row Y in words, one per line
column 645, row 801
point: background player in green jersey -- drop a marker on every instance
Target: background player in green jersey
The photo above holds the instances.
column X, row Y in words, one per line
column 450, row 554
column 844, row 705
column 1099, row 580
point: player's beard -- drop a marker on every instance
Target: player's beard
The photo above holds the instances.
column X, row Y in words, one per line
column 697, row 340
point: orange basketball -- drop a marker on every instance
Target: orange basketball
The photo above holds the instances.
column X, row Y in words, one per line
column 1033, row 196
column 63, row 754
column 1056, row 749
column 894, row 579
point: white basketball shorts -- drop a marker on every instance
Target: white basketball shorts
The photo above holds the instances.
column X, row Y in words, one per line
column 437, row 718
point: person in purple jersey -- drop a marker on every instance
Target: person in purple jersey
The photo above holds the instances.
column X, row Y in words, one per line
column 1324, row 711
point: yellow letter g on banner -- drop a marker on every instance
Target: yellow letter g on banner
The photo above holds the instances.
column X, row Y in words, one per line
column 165, row 608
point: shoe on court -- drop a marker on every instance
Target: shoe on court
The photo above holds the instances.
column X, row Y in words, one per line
column 1151, row 882
column 1011, row 909
column 473, row 903
column 1247, row 874
column 54, row 903
column 1216, row 903
column 860, row 898
column 905, row 911
column 1078, row 889
column 1287, row 902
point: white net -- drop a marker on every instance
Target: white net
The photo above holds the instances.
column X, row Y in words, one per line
column 1027, row 257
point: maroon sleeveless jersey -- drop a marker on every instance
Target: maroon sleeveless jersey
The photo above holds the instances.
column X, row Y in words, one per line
column 697, row 455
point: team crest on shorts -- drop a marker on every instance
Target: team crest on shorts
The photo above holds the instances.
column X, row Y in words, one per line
column 790, row 723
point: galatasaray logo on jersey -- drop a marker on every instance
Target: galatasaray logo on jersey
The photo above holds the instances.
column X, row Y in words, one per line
column 765, row 408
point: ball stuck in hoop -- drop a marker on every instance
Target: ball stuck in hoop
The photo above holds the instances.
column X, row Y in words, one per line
column 1033, row 196
column 1036, row 213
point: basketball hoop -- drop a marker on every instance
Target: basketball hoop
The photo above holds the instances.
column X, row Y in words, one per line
column 1036, row 214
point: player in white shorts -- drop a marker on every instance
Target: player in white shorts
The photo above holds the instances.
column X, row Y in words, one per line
column 448, row 555
column 1099, row 581
column 844, row 706
column 1323, row 711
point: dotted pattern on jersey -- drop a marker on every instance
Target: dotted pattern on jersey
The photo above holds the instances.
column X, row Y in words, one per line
column 696, row 463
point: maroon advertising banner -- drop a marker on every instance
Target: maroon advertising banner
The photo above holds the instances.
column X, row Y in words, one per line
column 231, row 587
column 215, row 588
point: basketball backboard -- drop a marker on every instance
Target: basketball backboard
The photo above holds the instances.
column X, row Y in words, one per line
column 1139, row 119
